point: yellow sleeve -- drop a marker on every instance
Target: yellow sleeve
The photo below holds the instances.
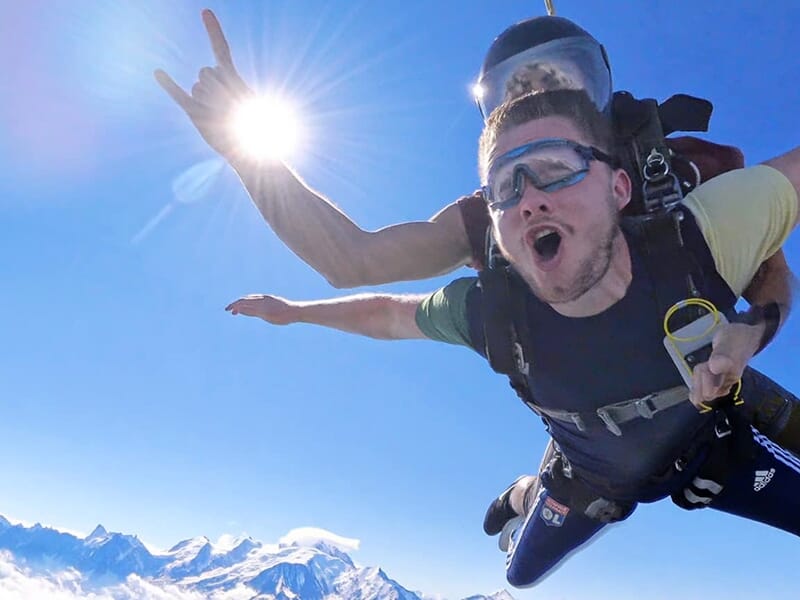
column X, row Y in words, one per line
column 745, row 216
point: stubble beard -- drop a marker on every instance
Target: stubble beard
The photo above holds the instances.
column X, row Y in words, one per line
column 590, row 271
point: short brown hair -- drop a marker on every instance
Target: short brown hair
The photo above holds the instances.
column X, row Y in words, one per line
column 574, row 105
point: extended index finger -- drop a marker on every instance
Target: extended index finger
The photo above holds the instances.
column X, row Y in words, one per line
column 219, row 45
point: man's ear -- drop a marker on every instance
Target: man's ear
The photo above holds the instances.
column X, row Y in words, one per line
column 621, row 187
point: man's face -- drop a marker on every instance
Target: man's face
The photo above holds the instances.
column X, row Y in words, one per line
column 560, row 242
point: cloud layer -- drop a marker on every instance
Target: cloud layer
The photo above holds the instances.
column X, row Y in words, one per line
column 18, row 582
column 308, row 536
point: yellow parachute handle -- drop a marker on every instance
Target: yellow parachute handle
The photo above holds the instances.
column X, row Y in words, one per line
column 702, row 303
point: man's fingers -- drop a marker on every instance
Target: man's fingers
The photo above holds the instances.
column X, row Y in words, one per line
column 695, row 397
column 175, row 91
column 219, row 45
column 707, row 386
column 721, row 364
column 712, row 386
column 222, row 53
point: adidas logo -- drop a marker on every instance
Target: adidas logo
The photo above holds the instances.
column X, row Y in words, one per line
column 762, row 479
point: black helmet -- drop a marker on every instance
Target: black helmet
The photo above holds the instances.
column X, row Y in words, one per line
column 543, row 53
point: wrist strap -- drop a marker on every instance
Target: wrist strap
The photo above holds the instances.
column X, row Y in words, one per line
column 769, row 314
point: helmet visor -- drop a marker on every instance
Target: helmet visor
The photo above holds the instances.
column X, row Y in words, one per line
column 567, row 63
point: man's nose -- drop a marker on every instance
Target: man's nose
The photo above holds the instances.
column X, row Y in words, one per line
column 533, row 200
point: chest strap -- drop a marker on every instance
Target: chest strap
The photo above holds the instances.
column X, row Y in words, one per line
column 614, row 415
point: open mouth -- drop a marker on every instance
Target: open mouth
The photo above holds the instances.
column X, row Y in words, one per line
column 546, row 244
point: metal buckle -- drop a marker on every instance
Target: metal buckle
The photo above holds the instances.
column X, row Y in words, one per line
column 656, row 166
column 722, row 427
column 576, row 418
column 611, row 425
column 645, row 407
column 519, row 358
column 566, row 467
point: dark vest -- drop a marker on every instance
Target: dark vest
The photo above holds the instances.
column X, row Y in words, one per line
column 581, row 364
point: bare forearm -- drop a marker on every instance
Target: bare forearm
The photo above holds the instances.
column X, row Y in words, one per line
column 312, row 227
column 789, row 165
column 331, row 243
column 379, row 316
column 773, row 282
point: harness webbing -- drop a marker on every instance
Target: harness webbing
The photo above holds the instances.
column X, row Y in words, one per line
column 618, row 413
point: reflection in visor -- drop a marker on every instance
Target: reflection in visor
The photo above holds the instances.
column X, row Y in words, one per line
column 568, row 63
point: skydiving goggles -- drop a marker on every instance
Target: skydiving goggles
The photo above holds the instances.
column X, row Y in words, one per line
column 578, row 63
column 549, row 164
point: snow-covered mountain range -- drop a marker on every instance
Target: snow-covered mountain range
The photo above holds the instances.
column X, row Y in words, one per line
column 114, row 565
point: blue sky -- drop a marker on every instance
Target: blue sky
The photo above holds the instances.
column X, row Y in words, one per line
column 131, row 398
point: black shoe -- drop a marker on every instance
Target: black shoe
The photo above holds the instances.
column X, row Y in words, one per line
column 500, row 512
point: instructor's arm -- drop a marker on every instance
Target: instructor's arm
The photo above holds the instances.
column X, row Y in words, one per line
column 313, row 227
column 341, row 251
column 789, row 165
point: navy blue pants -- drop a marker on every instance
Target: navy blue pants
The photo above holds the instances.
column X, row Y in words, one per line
column 763, row 488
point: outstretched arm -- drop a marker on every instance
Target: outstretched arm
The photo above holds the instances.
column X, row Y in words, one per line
column 789, row 165
column 315, row 229
column 346, row 255
column 774, row 282
column 379, row 316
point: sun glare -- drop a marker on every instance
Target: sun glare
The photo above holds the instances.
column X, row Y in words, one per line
column 267, row 128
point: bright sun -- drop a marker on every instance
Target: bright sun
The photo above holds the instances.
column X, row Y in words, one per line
column 267, row 127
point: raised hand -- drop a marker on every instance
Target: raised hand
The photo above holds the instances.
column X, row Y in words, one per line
column 219, row 91
column 272, row 309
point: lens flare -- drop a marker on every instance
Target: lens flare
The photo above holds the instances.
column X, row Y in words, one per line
column 478, row 91
column 267, row 127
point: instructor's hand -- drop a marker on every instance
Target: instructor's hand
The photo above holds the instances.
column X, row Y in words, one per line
column 272, row 309
column 219, row 91
column 733, row 347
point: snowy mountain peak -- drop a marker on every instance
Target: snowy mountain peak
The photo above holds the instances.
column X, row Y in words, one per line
column 243, row 546
column 332, row 551
column 499, row 595
column 99, row 532
column 239, row 540
column 192, row 543
column 315, row 570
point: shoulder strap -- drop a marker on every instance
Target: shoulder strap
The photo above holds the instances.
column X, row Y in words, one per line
column 503, row 314
column 678, row 262
column 475, row 215
column 505, row 323
column 668, row 262
column 642, row 150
